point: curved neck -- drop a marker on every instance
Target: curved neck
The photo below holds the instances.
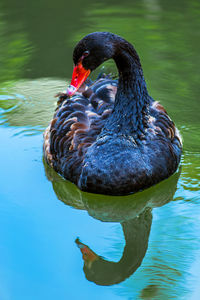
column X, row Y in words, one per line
column 136, row 233
column 130, row 112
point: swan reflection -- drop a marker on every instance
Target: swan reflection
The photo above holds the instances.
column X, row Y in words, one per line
column 133, row 212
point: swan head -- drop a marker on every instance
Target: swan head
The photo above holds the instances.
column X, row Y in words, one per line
column 89, row 53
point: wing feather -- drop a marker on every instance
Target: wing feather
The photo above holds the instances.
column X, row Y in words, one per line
column 76, row 124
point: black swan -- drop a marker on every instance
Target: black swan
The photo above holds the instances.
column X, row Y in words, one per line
column 134, row 214
column 110, row 136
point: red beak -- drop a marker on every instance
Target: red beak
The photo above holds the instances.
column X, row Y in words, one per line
column 78, row 77
column 88, row 254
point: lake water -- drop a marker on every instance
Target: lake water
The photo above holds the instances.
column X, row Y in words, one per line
column 148, row 244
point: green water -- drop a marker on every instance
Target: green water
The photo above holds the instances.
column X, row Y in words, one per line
column 155, row 233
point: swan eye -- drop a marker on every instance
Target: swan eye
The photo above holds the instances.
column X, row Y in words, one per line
column 86, row 53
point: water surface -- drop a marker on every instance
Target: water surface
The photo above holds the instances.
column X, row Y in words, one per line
column 154, row 235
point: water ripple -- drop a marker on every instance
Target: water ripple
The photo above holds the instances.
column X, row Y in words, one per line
column 29, row 104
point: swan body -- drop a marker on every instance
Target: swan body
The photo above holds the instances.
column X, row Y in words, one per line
column 111, row 137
